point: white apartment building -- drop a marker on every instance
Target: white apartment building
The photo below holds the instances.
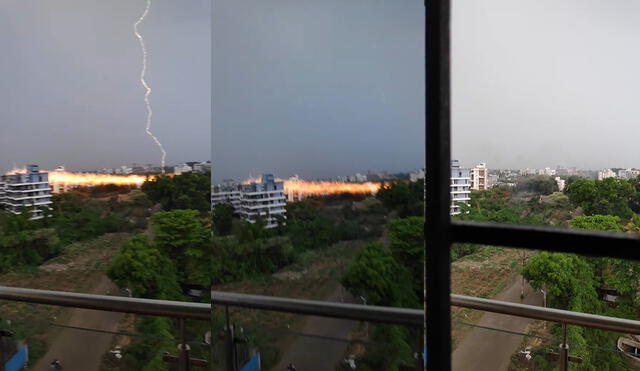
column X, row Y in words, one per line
column 202, row 167
column 265, row 199
column 226, row 193
column 606, row 173
column 60, row 187
column 492, row 180
column 547, row 171
column 460, row 187
column 29, row 191
column 628, row 173
column 181, row 168
column 479, row 177
column 560, row 182
column 358, row 178
column 124, row 170
column 418, row 174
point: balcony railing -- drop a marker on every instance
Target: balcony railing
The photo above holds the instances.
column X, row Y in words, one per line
column 401, row 316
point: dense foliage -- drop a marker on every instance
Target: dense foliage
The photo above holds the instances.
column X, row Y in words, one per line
column 191, row 190
column 611, row 196
column 572, row 282
column 406, row 198
column 74, row 217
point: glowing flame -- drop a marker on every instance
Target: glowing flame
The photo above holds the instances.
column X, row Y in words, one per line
column 93, row 179
column 307, row 188
column 145, row 85
column 16, row 170
column 304, row 187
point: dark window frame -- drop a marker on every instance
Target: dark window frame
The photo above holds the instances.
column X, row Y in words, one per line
column 441, row 232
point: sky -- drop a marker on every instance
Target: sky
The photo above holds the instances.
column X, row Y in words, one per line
column 326, row 88
column 71, row 94
column 540, row 83
column 317, row 88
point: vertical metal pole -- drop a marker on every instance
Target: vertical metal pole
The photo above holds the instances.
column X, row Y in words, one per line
column 229, row 343
column 564, row 350
column 183, row 348
column 438, row 174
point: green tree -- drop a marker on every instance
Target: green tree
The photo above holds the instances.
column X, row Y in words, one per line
column 377, row 275
column 610, row 196
column 406, row 242
column 406, row 198
column 184, row 238
column 597, row 223
column 191, row 190
column 141, row 267
column 222, row 219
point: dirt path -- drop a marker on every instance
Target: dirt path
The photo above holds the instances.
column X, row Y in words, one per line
column 79, row 349
column 487, row 350
column 317, row 354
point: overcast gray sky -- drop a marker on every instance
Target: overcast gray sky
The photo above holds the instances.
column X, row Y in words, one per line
column 317, row 88
column 70, row 91
column 544, row 82
column 324, row 88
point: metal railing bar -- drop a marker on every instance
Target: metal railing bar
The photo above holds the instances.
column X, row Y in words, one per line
column 174, row 309
column 403, row 316
column 548, row 314
column 372, row 313
column 576, row 241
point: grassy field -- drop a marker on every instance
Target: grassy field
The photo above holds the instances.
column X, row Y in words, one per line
column 482, row 274
column 78, row 269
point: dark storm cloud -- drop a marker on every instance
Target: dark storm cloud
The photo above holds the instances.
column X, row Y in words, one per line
column 70, row 82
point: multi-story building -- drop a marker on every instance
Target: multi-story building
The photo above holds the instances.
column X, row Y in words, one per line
column 460, row 187
column 358, row 178
column 123, row 170
column 29, row 191
column 415, row 175
column 560, row 182
column 479, row 177
column 202, row 167
column 182, row 168
column 628, row 173
column 492, row 180
column 61, row 186
column 566, row 171
column 226, row 193
column 3, row 187
column 265, row 199
column 606, row 173
column 547, row 171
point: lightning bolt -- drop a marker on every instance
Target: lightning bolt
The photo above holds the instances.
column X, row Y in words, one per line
column 144, row 83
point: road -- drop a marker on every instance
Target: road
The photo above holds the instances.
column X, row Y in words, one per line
column 78, row 349
column 487, row 350
column 315, row 354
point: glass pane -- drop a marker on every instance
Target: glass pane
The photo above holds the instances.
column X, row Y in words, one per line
column 310, row 342
column 529, row 105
